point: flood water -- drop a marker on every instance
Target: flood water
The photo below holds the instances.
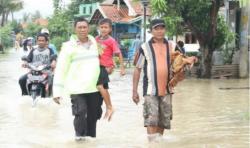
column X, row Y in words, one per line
column 206, row 115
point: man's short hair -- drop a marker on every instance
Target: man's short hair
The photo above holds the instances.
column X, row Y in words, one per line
column 42, row 35
column 156, row 22
column 105, row 20
column 80, row 19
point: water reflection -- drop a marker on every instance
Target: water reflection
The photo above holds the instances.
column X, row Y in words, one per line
column 204, row 116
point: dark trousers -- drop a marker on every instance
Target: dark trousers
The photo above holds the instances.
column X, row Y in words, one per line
column 22, row 83
column 86, row 109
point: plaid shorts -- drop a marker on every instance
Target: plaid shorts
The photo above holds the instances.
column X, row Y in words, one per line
column 157, row 111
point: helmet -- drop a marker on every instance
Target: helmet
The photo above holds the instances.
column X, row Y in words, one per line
column 45, row 30
column 30, row 38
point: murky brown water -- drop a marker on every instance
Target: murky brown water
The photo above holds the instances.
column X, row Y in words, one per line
column 204, row 116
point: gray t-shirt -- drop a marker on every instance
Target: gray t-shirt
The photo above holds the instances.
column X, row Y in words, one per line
column 40, row 56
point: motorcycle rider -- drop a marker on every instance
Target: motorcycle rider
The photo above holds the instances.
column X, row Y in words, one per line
column 40, row 55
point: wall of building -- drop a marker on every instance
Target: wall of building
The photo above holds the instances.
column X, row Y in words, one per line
column 244, row 41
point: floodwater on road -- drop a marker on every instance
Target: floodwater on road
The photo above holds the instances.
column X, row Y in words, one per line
column 207, row 114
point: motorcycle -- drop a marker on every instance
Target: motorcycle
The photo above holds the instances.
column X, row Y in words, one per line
column 39, row 80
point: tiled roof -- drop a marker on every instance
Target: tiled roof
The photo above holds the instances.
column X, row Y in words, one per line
column 42, row 22
column 112, row 12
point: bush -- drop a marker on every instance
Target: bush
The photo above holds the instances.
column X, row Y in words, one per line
column 5, row 36
column 93, row 30
column 57, row 41
column 32, row 30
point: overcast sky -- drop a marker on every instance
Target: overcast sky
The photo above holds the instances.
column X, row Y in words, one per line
column 44, row 6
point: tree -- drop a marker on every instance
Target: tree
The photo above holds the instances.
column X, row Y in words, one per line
column 36, row 15
column 15, row 6
column 59, row 27
column 7, row 7
column 199, row 16
column 5, row 36
column 26, row 17
column 16, row 26
column 32, row 29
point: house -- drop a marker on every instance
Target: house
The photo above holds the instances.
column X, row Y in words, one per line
column 191, row 43
column 86, row 10
column 40, row 21
column 126, row 15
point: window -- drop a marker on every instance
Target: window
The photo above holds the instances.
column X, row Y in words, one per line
column 190, row 38
column 84, row 10
column 90, row 10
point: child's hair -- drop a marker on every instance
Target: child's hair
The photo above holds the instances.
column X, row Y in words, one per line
column 105, row 20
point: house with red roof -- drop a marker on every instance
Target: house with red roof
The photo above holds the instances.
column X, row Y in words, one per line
column 126, row 15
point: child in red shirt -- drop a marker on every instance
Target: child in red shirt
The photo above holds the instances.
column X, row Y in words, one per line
column 108, row 47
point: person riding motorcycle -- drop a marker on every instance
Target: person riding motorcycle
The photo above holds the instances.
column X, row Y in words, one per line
column 42, row 54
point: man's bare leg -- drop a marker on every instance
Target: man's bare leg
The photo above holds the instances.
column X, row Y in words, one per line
column 160, row 130
column 153, row 133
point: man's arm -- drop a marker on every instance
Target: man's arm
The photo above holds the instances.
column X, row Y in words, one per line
column 61, row 71
column 30, row 56
column 136, row 78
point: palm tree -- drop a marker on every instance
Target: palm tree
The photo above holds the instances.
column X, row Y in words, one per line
column 7, row 7
column 15, row 6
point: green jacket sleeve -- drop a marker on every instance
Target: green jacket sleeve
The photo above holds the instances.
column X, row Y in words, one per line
column 61, row 71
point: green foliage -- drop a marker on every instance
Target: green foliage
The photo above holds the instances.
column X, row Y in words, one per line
column 223, row 35
column 60, row 28
column 177, row 13
column 201, row 18
column 16, row 27
column 5, row 36
column 126, row 43
column 227, row 53
column 93, row 30
column 32, row 30
column 57, row 41
column 59, row 25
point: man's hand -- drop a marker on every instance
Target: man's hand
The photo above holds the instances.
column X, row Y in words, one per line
column 136, row 97
column 57, row 100
column 53, row 64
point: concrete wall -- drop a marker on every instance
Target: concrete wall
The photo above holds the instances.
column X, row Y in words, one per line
column 244, row 41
